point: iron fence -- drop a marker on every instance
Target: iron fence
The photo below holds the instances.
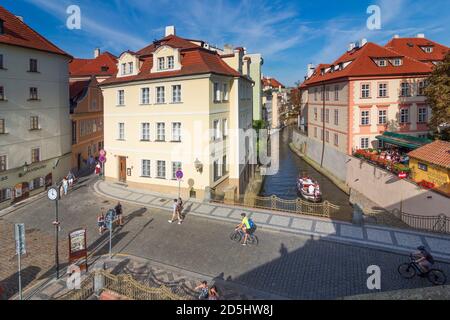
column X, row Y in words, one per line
column 440, row 223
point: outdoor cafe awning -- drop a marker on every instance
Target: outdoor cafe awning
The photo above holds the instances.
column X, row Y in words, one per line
column 403, row 140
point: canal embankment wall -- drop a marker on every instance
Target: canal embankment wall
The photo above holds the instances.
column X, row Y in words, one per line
column 375, row 188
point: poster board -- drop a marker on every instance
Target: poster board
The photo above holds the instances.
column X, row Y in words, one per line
column 78, row 248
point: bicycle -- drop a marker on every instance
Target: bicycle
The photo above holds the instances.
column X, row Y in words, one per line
column 410, row 269
column 237, row 235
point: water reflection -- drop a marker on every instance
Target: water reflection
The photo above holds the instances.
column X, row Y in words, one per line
column 283, row 184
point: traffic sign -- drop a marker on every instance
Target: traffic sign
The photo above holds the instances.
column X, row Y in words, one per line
column 109, row 217
column 402, row 175
column 102, row 159
column 179, row 175
column 20, row 239
column 102, row 153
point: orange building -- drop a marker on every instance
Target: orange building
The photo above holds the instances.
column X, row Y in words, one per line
column 86, row 105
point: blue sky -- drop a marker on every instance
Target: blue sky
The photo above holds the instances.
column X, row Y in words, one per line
column 289, row 34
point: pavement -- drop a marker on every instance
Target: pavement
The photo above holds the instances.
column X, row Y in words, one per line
column 374, row 236
column 287, row 264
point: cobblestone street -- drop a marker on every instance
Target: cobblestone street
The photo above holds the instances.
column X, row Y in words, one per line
column 284, row 264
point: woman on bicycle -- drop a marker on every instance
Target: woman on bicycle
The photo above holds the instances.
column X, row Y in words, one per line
column 423, row 258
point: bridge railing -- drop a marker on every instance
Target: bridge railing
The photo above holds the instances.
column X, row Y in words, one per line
column 297, row 206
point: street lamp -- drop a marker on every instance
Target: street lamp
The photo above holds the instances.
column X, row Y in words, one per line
column 198, row 165
column 25, row 170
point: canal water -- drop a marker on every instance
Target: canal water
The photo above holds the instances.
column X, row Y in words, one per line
column 284, row 183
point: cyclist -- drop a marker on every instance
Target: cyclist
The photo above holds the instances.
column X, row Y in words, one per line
column 245, row 226
column 423, row 258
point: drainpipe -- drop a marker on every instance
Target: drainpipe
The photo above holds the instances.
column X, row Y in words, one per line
column 323, row 120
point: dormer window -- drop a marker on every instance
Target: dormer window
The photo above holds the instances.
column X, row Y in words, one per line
column 397, row 62
column 427, row 49
column 130, row 67
column 382, row 63
column 2, row 26
column 124, row 68
column 170, row 62
column 161, row 63
column 104, row 68
column 322, row 71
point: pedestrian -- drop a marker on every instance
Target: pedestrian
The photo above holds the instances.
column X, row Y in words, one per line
column 204, row 291
column 213, row 293
column 180, row 209
column 65, row 185
column 71, row 178
column 176, row 212
column 119, row 212
column 101, row 223
column 97, row 169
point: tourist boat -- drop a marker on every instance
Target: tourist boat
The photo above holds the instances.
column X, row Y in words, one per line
column 303, row 188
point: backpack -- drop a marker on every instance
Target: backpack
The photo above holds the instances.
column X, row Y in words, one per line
column 251, row 224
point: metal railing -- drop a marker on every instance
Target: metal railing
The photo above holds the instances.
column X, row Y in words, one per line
column 440, row 223
column 123, row 285
column 297, row 206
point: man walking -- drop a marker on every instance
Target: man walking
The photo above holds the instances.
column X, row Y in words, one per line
column 176, row 212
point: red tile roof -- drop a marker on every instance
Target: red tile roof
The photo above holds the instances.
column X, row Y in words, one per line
column 412, row 47
column 194, row 60
column 93, row 67
column 437, row 152
column 271, row 82
column 17, row 33
column 363, row 64
column 76, row 88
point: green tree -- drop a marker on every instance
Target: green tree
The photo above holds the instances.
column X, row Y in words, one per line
column 438, row 97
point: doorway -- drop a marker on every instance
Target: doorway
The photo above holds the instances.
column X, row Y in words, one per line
column 122, row 169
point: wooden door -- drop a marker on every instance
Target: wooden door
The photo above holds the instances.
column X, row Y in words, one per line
column 123, row 169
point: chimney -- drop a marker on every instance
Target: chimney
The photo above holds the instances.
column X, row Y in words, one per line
column 351, row 46
column 421, row 35
column 170, row 31
column 310, row 70
column 396, row 36
column 20, row 18
column 228, row 49
column 96, row 52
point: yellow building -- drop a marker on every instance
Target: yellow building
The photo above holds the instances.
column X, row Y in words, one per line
column 180, row 104
column 431, row 164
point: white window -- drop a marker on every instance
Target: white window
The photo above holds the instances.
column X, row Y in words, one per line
column 365, row 91
column 327, row 115
column 225, row 92
column 336, row 117
column 382, row 90
column 145, row 172
column 336, row 92
column 427, row 49
column 170, row 62
column 34, row 93
column 327, row 136
column 130, row 67
column 145, row 95
column 315, row 132
column 327, row 93
column 2, row 126
column 216, row 92
column 382, row 63
column 33, row 65
column 34, row 123
column 124, row 68
column 5, row 194
column 35, row 155
column 145, row 131
column 382, row 116
column 224, row 165
column 3, row 163
column 175, row 167
column 365, row 117
column 176, row 93
column 216, row 170
column 404, row 89
column 161, row 63
column 161, row 169
column 225, row 127
column 160, row 95
column 404, row 115
column 421, row 88
column 121, row 131
column 364, row 143
column 176, row 131
column 398, row 62
column 423, row 115
column 120, row 97
column 161, row 131
column 216, row 127
column 315, row 94
column 336, row 139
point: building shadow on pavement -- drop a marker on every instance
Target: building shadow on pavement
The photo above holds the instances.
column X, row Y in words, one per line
column 10, row 286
